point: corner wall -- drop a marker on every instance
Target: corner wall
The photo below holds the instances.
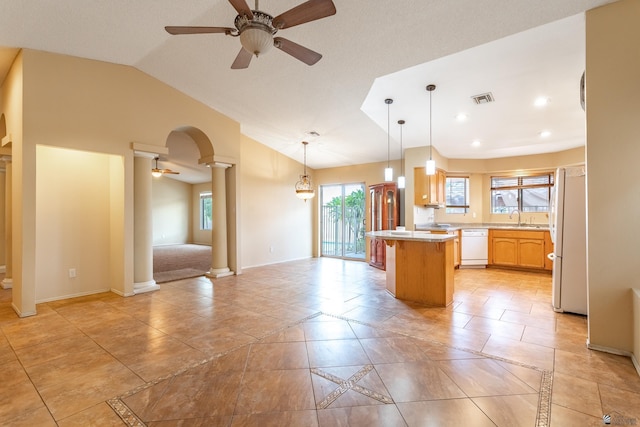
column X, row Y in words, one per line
column 276, row 225
column 613, row 175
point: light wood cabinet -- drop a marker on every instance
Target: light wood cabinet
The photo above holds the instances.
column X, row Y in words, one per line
column 385, row 212
column 429, row 190
column 456, row 244
column 516, row 248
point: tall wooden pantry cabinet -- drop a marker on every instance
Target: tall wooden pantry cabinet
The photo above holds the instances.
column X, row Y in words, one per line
column 385, row 212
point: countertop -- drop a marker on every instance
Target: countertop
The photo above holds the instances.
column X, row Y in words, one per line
column 411, row 235
column 466, row 226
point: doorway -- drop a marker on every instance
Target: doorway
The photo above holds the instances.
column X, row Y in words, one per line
column 342, row 220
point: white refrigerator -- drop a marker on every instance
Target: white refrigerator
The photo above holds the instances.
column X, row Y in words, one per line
column 568, row 227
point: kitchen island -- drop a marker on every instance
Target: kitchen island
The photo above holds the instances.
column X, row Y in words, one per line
column 419, row 266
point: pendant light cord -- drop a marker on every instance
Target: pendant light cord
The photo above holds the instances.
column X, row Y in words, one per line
column 430, row 89
column 401, row 122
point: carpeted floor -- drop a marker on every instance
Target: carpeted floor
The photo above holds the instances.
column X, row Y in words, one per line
column 176, row 262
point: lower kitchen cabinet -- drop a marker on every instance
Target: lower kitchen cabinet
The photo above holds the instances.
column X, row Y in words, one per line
column 521, row 249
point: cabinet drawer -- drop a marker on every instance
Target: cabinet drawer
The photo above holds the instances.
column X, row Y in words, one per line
column 517, row 234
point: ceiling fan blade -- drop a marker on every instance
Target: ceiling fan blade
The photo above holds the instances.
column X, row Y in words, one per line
column 305, row 12
column 299, row 52
column 242, row 8
column 169, row 171
column 198, row 30
column 242, row 60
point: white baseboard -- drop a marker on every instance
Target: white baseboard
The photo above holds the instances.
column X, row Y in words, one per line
column 635, row 363
column 79, row 294
column 610, row 350
column 22, row 314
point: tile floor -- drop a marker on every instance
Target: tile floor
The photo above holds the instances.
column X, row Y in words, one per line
column 314, row 342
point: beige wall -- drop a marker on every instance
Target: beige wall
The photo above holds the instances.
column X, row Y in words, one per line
column 72, row 222
column 613, row 175
column 171, row 211
column 276, row 225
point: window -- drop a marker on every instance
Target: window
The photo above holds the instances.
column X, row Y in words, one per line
column 530, row 193
column 206, row 205
column 457, row 194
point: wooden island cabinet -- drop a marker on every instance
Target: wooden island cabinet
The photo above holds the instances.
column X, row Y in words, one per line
column 419, row 266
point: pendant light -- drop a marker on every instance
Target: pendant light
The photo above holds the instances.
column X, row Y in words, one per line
column 401, row 179
column 388, row 171
column 431, row 164
column 304, row 189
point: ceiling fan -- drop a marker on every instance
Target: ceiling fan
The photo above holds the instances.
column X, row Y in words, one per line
column 155, row 171
column 256, row 30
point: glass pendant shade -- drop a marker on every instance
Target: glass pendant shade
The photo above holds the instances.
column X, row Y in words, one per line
column 304, row 188
column 401, row 182
column 388, row 174
column 431, row 167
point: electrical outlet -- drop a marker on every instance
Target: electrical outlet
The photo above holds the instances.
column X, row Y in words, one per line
column 72, row 273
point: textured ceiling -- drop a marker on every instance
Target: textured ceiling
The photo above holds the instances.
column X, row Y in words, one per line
column 371, row 51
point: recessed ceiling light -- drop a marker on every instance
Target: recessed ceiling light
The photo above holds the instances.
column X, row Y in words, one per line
column 545, row 134
column 541, row 101
column 461, row 117
column 475, row 143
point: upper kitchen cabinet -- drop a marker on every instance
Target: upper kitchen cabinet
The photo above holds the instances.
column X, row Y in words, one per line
column 429, row 190
column 385, row 213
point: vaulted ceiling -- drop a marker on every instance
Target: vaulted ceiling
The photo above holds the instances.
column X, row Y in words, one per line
column 516, row 50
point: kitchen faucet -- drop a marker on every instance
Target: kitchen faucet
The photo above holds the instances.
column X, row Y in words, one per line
column 515, row 211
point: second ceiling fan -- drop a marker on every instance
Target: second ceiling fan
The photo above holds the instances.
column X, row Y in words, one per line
column 256, row 30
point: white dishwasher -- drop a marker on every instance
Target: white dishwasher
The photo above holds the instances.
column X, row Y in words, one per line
column 475, row 248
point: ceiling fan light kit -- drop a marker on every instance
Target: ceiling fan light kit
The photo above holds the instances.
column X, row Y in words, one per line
column 257, row 29
column 256, row 35
column 157, row 172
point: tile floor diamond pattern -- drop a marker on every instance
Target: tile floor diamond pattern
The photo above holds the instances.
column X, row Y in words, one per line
column 348, row 384
column 316, row 342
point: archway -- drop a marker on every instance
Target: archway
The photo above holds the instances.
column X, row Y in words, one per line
column 201, row 166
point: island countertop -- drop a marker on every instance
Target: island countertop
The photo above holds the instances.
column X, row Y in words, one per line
column 421, row 236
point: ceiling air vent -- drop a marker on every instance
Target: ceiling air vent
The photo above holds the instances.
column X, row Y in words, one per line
column 483, row 98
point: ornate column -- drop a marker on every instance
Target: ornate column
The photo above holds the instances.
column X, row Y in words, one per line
column 219, row 259
column 142, row 226
column 7, row 282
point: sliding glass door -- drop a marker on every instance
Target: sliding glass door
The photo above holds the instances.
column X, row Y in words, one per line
column 342, row 217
